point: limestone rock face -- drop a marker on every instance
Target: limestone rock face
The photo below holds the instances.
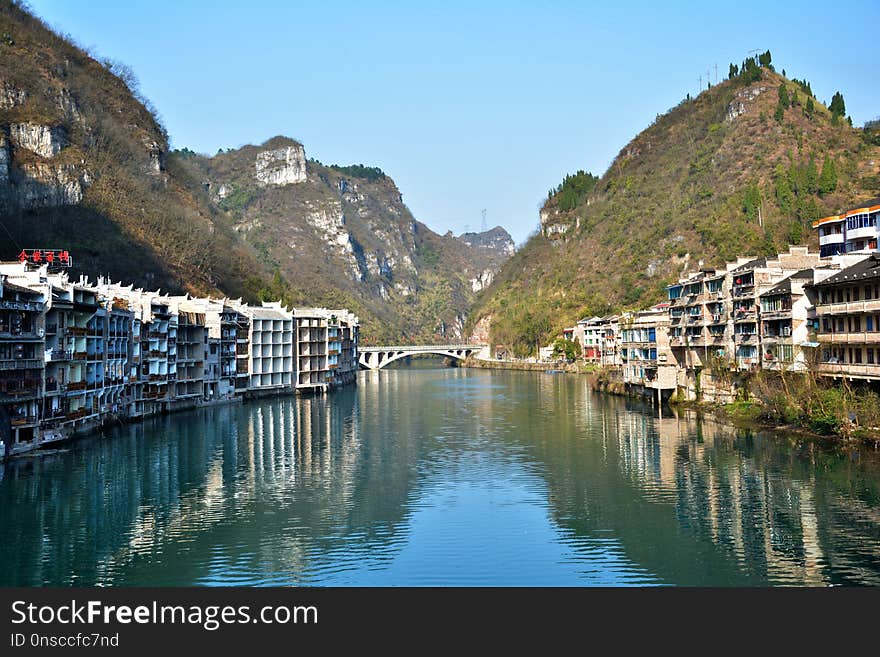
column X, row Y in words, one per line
column 156, row 158
column 282, row 166
column 223, row 191
column 741, row 102
column 44, row 140
column 329, row 222
column 482, row 280
column 43, row 185
column 38, row 184
column 4, row 161
column 496, row 239
column 11, row 96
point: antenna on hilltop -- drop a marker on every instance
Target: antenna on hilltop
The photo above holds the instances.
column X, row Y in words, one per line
column 716, row 72
column 483, row 227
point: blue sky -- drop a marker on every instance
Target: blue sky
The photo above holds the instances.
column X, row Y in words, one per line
column 466, row 105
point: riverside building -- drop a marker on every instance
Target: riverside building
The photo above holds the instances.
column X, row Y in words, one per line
column 853, row 231
column 75, row 354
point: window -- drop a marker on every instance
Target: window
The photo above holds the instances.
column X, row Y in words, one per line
column 870, row 355
column 869, row 323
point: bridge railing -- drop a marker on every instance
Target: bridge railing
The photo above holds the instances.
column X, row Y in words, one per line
column 422, row 347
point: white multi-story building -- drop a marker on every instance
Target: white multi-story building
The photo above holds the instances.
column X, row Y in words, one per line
column 270, row 338
column 853, row 231
column 74, row 354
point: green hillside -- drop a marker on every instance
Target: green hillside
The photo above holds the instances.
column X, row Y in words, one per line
column 743, row 168
column 85, row 166
column 139, row 218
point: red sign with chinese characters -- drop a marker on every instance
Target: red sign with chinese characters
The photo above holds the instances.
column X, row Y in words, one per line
column 53, row 257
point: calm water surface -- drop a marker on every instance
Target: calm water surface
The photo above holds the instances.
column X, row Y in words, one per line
column 440, row 477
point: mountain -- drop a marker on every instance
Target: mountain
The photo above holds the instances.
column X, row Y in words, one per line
column 743, row 168
column 343, row 234
column 85, row 166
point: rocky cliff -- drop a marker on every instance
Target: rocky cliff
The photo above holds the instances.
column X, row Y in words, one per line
column 344, row 234
column 84, row 165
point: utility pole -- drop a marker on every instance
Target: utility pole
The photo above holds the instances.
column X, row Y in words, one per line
column 483, row 225
column 699, row 84
column 716, row 72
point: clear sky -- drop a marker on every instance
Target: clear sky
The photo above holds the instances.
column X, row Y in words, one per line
column 466, row 105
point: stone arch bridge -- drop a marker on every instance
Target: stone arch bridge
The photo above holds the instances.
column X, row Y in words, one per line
column 375, row 358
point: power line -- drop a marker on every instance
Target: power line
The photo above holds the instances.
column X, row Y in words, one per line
column 17, row 245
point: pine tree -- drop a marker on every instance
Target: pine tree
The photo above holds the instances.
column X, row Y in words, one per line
column 784, row 192
column 837, row 106
column 809, row 108
column 764, row 60
column 779, row 113
column 783, row 97
column 828, row 177
column 733, row 71
column 811, row 177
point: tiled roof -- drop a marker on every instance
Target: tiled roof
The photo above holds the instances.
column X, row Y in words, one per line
column 867, row 269
column 751, row 264
column 784, row 286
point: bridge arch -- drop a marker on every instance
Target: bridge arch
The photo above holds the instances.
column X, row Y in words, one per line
column 375, row 358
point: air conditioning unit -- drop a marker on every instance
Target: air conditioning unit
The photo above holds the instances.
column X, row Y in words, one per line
column 40, row 333
column 786, row 331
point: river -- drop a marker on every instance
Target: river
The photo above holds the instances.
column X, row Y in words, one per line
column 441, row 476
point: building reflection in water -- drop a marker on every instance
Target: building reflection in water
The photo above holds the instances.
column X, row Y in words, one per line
column 324, row 490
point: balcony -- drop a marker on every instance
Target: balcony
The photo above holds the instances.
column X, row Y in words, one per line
column 20, row 334
column 79, row 355
column 58, row 355
column 862, row 337
column 79, row 331
column 856, row 370
column 870, row 306
column 833, row 238
column 746, row 337
column 74, row 386
column 21, row 364
column 54, row 386
column 21, row 394
column 782, row 313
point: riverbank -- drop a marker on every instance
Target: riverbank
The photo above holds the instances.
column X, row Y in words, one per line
column 794, row 403
column 568, row 368
column 110, row 420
